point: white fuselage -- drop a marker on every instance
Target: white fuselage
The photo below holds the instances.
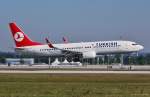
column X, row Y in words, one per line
column 99, row 47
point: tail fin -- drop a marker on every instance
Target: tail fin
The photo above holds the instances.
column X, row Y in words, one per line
column 20, row 38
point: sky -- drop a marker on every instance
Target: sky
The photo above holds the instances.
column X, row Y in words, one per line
column 78, row 20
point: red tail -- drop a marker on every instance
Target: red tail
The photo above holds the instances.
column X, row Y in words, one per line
column 20, row 38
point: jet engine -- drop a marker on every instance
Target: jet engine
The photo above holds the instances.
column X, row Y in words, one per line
column 90, row 54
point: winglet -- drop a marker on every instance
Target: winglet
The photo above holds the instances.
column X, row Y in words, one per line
column 49, row 43
column 65, row 40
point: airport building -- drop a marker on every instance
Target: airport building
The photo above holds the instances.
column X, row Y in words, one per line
column 17, row 61
column 13, row 58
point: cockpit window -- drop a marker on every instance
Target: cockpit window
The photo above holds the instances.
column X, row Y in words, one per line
column 134, row 44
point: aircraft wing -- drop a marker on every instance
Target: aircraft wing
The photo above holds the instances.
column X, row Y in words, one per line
column 65, row 52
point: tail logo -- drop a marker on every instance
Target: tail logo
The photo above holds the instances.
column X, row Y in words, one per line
column 19, row 36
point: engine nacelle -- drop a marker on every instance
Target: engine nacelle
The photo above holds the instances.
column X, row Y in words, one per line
column 90, row 54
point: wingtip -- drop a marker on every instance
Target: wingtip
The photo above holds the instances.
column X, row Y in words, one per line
column 49, row 43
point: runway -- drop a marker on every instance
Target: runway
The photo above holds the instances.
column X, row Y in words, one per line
column 74, row 72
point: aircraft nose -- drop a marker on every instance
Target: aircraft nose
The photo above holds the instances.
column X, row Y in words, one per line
column 141, row 47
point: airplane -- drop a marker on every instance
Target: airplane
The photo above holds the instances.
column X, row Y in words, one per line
column 25, row 45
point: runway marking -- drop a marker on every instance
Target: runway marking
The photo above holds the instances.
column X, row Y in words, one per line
column 75, row 72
